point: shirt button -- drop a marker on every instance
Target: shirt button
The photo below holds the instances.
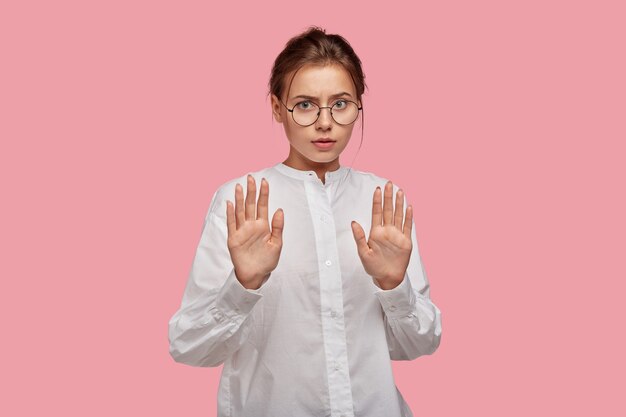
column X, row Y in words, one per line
column 322, row 218
column 328, row 262
column 333, row 313
column 392, row 308
column 337, row 367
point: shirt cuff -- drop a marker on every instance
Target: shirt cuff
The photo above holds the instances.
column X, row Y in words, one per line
column 398, row 301
column 234, row 299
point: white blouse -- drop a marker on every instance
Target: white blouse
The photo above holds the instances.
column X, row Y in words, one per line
column 317, row 337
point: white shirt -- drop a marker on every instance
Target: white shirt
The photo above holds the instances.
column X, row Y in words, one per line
column 317, row 337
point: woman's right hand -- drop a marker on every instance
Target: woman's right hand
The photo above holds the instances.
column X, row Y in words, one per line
column 253, row 249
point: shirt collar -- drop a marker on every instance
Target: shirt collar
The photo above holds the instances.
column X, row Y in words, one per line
column 308, row 175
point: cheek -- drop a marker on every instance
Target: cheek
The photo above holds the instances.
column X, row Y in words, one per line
column 347, row 133
column 295, row 135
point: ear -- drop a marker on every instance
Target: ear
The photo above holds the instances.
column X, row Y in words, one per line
column 277, row 109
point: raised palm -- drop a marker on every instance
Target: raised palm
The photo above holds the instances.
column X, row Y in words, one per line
column 385, row 254
column 254, row 249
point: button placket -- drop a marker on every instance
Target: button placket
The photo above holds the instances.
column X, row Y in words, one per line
column 320, row 200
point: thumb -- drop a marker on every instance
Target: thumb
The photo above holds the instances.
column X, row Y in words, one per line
column 278, row 222
column 359, row 237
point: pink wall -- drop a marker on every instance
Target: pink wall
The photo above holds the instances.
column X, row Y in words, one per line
column 504, row 124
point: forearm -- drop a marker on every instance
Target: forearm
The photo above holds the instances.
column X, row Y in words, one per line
column 205, row 331
column 412, row 322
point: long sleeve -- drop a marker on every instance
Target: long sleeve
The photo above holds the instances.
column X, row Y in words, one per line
column 412, row 320
column 213, row 319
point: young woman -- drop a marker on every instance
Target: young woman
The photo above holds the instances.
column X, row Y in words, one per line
column 306, row 312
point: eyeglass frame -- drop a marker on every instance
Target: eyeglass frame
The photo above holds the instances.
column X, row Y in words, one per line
column 320, row 112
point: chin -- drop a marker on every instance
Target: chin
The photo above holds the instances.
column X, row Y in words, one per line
column 318, row 157
column 328, row 158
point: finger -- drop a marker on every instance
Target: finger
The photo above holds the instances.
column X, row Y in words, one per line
column 408, row 221
column 239, row 214
column 377, row 209
column 251, row 199
column 230, row 218
column 359, row 237
column 399, row 210
column 388, row 204
column 278, row 223
column 264, row 192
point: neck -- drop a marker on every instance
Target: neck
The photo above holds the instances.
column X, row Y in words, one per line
column 304, row 164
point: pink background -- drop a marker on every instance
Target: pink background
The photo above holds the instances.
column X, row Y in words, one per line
column 503, row 121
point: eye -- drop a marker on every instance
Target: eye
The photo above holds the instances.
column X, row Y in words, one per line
column 301, row 105
column 340, row 104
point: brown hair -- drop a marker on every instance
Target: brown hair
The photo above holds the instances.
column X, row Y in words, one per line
column 315, row 47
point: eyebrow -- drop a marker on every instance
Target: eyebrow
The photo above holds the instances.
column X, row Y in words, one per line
column 343, row 93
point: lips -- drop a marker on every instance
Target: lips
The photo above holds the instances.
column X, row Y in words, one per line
column 323, row 144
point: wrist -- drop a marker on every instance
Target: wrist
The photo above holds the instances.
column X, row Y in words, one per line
column 260, row 281
column 253, row 282
column 389, row 283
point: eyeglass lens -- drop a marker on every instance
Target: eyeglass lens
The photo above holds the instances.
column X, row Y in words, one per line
column 343, row 112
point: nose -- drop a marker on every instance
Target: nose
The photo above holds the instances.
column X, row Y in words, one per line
column 325, row 119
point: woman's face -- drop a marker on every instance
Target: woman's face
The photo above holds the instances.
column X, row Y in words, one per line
column 323, row 84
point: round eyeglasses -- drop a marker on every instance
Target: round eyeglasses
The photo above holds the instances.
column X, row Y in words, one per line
column 305, row 113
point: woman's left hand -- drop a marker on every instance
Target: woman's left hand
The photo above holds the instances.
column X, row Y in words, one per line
column 385, row 254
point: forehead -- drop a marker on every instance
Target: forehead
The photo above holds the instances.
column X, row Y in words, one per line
column 321, row 81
